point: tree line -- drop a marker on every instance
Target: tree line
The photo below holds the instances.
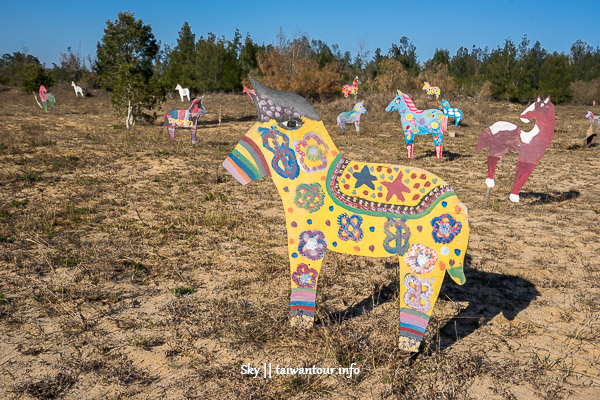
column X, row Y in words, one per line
column 131, row 64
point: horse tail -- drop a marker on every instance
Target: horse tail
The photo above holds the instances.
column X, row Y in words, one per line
column 484, row 140
column 444, row 124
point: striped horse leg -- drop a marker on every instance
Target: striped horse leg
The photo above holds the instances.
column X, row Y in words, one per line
column 304, row 276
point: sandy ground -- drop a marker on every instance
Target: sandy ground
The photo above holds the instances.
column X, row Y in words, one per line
column 132, row 267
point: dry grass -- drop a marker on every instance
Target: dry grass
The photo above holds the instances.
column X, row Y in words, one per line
column 131, row 267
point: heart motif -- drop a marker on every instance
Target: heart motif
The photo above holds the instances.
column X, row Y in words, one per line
column 371, row 169
column 396, row 169
column 457, row 252
column 373, row 195
column 372, row 229
column 434, row 180
column 380, row 188
column 391, row 177
column 419, row 228
column 451, row 262
column 457, row 209
column 444, row 204
column 354, row 192
column 406, row 180
column 422, row 190
column 330, row 208
column 343, row 180
column 382, row 176
column 442, row 265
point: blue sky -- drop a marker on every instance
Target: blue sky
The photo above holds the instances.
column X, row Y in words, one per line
column 431, row 24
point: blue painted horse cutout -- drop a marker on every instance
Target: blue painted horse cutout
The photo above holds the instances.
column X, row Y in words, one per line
column 185, row 118
column 454, row 112
column 419, row 122
column 353, row 116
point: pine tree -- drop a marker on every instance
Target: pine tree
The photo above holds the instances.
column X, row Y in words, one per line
column 124, row 63
column 555, row 78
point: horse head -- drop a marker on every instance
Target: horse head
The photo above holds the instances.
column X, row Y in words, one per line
column 356, row 81
column 426, row 85
column 289, row 139
column 197, row 106
column 178, row 87
column 360, row 108
column 589, row 115
column 396, row 102
column 537, row 110
column 445, row 105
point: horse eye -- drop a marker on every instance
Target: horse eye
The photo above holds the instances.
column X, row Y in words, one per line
column 291, row 123
column 397, row 101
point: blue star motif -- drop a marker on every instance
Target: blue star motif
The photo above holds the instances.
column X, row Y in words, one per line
column 364, row 177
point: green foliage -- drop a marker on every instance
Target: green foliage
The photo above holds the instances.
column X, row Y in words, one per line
column 180, row 61
column 555, row 78
column 406, row 53
column 33, row 76
column 125, row 57
column 12, row 67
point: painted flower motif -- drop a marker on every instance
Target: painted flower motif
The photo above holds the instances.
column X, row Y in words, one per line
column 309, row 196
column 421, row 259
column 284, row 160
column 312, row 244
column 445, row 228
column 305, row 277
column 311, row 152
column 422, row 121
column 350, row 227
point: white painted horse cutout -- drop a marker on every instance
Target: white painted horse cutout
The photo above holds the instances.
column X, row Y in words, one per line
column 351, row 117
column 77, row 89
column 367, row 209
column 183, row 92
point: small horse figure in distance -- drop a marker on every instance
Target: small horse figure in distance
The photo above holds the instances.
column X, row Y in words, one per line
column 183, row 92
column 77, row 89
column 590, row 115
column 351, row 89
column 351, row 207
column 46, row 97
column 251, row 93
column 454, row 112
column 431, row 90
column 503, row 137
column 419, row 122
column 353, row 116
column 185, row 118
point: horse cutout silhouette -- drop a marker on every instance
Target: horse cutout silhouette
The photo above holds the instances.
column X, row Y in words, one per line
column 454, row 112
column 431, row 90
column 77, row 89
column 185, row 118
column 368, row 209
column 590, row 115
column 351, row 89
column 251, row 93
column 183, row 92
column 351, row 117
column 419, row 122
column 46, row 97
column 502, row 137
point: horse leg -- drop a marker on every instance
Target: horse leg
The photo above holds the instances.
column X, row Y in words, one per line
column 194, row 134
column 521, row 175
column 492, row 162
column 409, row 139
column 304, row 276
column 45, row 107
column 438, row 141
column 343, row 126
column 418, row 294
column 171, row 130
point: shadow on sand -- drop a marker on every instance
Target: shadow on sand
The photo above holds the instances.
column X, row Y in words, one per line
column 450, row 156
column 487, row 294
column 554, row 197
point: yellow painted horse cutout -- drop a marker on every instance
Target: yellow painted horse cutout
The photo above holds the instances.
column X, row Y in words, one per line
column 366, row 209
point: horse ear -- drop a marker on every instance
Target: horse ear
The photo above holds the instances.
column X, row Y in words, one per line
column 539, row 99
column 398, row 91
column 547, row 100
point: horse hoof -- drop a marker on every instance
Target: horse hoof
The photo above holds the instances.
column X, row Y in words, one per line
column 514, row 198
column 490, row 183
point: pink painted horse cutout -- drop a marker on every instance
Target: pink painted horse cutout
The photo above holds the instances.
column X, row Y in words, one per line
column 503, row 137
column 46, row 97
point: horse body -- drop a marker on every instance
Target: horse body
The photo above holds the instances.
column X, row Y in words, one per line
column 183, row 92
column 431, row 90
column 419, row 122
column 46, row 97
column 77, row 89
column 502, row 137
column 185, row 118
column 590, row 115
column 353, row 116
column 351, row 89
column 368, row 209
column 452, row 112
